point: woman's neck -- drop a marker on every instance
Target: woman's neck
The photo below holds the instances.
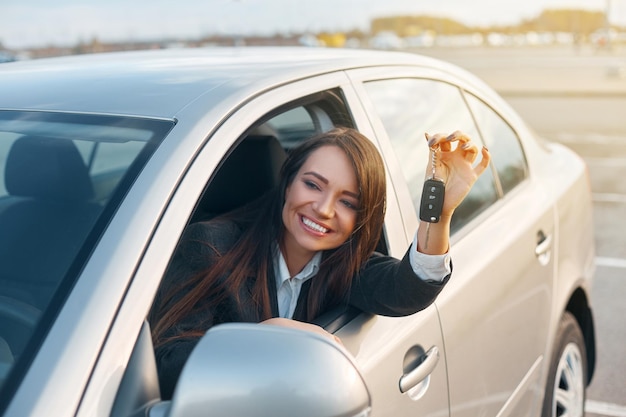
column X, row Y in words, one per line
column 295, row 259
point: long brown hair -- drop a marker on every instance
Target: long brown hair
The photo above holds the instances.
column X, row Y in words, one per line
column 252, row 254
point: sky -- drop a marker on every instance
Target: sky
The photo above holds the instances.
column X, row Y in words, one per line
column 35, row 23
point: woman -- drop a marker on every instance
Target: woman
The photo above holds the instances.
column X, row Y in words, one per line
column 307, row 247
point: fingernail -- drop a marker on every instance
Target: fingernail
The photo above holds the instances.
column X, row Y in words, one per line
column 450, row 137
column 427, row 136
column 485, row 148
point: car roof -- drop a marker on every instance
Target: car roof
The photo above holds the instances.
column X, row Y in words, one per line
column 160, row 83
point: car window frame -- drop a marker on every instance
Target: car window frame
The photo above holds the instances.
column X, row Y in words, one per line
column 449, row 98
column 467, row 84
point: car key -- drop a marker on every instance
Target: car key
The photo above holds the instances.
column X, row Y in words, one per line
column 433, row 193
column 432, row 200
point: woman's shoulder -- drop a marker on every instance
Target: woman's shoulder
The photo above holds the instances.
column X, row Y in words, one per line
column 201, row 244
column 219, row 232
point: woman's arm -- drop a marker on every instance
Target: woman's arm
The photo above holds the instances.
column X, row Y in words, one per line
column 389, row 287
column 455, row 155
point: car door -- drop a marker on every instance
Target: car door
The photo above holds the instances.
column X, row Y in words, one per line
column 495, row 310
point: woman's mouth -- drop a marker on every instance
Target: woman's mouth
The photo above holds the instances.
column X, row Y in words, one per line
column 313, row 226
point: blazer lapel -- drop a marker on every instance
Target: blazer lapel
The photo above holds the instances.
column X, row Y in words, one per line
column 301, row 308
column 271, row 284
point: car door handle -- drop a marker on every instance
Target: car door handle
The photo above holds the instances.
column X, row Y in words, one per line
column 544, row 245
column 422, row 371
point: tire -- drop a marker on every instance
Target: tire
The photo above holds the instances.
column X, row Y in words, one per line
column 567, row 378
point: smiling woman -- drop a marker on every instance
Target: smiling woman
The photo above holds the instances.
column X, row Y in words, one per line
column 302, row 249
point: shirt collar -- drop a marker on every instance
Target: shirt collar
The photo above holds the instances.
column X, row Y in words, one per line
column 282, row 272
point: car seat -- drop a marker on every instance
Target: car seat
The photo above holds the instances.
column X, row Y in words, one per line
column 251, row 169
column 45, row 218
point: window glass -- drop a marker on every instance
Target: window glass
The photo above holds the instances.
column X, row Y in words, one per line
column 294, row 119
column 292, row 125
column 502, row 142
column 62, row 177
column 408, row 108
column 5, row 144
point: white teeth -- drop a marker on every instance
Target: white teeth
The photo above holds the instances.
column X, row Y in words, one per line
column 314, row 225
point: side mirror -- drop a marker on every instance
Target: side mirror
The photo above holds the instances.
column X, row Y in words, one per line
column 243, row 369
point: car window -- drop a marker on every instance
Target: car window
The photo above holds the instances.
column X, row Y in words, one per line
column 502, row 142
column 292, row 125
column 62, row 176
column 410, row 107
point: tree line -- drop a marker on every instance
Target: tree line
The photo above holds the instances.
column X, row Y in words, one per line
column 579, row 22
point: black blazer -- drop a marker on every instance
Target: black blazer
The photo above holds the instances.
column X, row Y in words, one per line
column 385, row 286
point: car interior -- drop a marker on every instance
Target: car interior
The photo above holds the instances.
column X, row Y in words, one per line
column 54, row 187
column 250, row 170
column 38, row 171
column 41, row 218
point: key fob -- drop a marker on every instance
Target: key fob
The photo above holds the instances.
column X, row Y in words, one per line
column 432, row 200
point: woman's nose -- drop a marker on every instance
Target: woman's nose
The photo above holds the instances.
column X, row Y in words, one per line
column 324, row 206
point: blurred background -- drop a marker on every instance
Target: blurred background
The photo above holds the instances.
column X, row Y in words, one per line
column 37, row 28
column 560, row 63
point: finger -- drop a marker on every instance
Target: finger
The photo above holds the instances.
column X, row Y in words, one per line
column 454, row 141
column 484, row 162
column 436, row 139
column 471, row 151
column 445, row 146
column 458, row 136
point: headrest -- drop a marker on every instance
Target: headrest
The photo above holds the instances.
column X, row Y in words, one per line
column 249, row 171
column 47, row 168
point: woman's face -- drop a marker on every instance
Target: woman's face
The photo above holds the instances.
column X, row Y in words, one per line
column 321, row 203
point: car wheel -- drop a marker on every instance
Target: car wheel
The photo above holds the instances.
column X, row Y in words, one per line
column 565, row 389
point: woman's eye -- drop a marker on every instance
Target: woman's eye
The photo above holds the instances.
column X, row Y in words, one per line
column 311, row 184
column 349, row 204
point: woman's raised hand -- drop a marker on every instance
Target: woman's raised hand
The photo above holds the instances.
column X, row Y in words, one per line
column 455, row 165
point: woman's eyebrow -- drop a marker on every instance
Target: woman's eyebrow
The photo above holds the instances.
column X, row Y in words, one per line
column 318, row 176
column 325, row 181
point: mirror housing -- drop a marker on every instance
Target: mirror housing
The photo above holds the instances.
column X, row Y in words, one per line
column 244, row 369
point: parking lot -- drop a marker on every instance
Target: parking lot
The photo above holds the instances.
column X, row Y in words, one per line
column 578, row 97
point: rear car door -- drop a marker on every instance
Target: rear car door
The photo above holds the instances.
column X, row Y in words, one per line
column 495, row 310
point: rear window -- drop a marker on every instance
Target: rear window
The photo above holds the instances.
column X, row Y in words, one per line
column 62, row 176
column 503, row 143
column 410, row 107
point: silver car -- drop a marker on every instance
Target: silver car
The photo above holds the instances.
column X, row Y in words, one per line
column 107, row 158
